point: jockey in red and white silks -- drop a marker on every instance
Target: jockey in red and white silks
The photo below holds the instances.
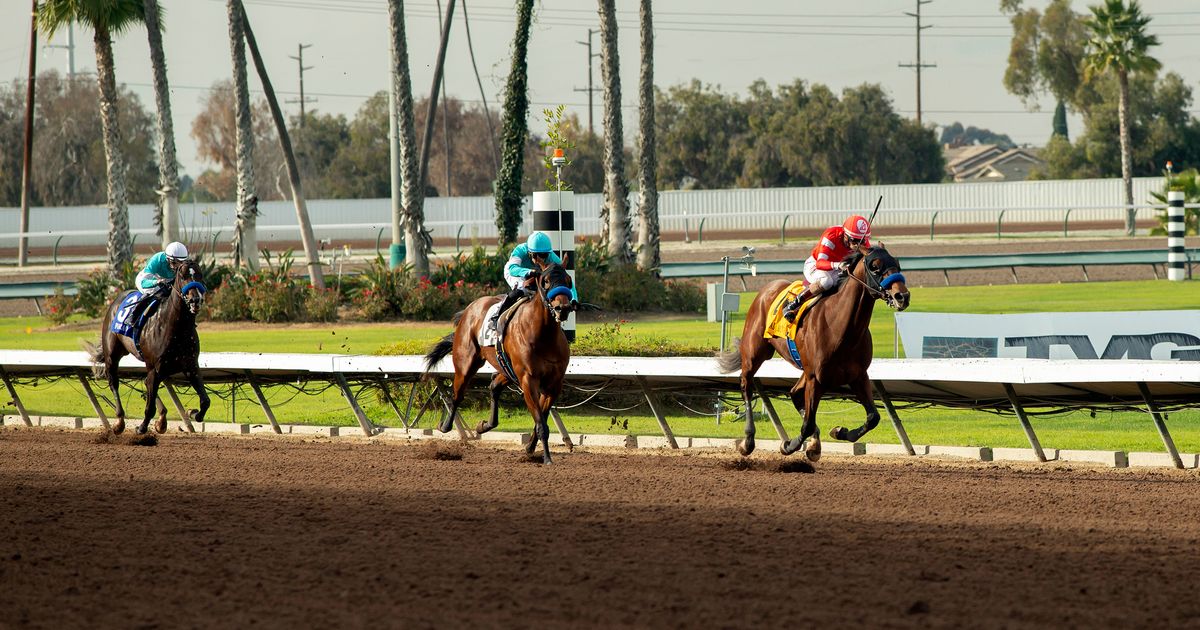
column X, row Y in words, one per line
column 826, row 262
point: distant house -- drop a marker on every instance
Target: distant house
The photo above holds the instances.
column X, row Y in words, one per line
column 990, row 163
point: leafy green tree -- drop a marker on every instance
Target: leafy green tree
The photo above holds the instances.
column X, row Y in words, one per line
column 1046, row 55
column 1160, row 129
column 215, row 131
column 515, row 132
column 106, row 18
column 1120, row 45
column 696, row 125
column 68, row 157
column 956, row 135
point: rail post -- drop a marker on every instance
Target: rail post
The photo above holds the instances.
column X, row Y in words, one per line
column 378, row 239
column 457, row 238
column 55, row 256
column 700, row 231
column 687, row 238
column 1065, row 220
column 1000, row 223
column 783, row 230
column 1176, row 256
column 933, row 220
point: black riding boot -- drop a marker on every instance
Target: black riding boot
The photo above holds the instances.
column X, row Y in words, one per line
column 509, row 300
column 793, row 307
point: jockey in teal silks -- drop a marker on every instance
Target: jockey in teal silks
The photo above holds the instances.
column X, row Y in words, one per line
column 528, row 258
column 159, row 273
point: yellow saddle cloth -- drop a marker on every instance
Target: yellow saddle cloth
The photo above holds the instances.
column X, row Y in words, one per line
column 777, row 326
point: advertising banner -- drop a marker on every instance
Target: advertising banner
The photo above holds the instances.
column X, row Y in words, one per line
column 1158, row 335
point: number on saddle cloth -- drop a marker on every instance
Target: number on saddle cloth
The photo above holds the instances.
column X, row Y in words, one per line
column 131, row 316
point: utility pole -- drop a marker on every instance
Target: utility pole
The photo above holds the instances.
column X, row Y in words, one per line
column 589, row 89
column 23, row 240
column 299, row 57
column 918, row 65
column 70, row 47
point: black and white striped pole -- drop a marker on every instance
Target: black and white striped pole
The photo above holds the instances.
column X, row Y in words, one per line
column 1176, row 259
column 554, row 214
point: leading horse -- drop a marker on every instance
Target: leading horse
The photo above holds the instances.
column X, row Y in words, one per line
column 834, row 344
column 534, row 344
column 168, row 345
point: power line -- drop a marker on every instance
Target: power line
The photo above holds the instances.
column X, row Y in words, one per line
column 590, row 90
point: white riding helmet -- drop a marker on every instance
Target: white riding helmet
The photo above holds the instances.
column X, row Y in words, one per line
column 176, row 251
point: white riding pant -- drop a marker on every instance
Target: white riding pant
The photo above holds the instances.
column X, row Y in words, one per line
column 819, row 277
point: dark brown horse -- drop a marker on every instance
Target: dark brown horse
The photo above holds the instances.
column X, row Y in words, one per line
column 168, row 345
column 534, row 343
column 834, row 344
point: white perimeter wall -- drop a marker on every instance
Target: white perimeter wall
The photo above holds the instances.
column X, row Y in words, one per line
column 912, row 204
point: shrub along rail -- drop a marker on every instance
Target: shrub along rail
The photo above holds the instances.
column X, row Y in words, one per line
column 1015, row 385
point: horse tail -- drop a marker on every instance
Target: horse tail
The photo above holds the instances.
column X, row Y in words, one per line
column 730, row 360
column 457, row 316
column 96, row 354
column 437, row 353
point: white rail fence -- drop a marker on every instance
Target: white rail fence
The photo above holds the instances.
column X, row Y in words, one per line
column 472, row 218
column 1013, row 385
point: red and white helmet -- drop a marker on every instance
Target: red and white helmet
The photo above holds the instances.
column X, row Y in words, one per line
column 856, row 227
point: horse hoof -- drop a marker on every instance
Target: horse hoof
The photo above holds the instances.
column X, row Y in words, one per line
column 195, row 414
column 838, row 433
column 744, row 448
column 141, row 430
column 482, row 428
column 160, row 426
column 812, row 449
column 119, row 427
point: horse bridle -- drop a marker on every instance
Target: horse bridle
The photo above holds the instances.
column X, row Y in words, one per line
column 560, row 313
column 879, row 291
column 193, row 303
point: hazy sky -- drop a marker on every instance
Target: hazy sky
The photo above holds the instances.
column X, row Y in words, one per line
column 839, row 43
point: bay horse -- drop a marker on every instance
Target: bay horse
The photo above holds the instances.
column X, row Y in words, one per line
column 834, row 344
column 534, row 343
column 168, row 345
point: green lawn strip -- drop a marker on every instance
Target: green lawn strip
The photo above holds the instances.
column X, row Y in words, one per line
column 1117, row 431
column 1125, row 431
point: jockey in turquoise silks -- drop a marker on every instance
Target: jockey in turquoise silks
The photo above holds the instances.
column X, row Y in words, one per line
column 159, row 273
column 526, row 259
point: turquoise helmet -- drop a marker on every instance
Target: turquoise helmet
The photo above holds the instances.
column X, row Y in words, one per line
column 539, row 243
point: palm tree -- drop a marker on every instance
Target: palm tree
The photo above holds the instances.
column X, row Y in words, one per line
column 106, row 19
column 648, row 250
column 1120, row 44
column 168, row 166
column 245, row 237
column 514, row 131
column 614, row 214
column 417, row 240
column 312, row 258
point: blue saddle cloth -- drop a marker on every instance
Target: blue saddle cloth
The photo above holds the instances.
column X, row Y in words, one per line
column 125, row 323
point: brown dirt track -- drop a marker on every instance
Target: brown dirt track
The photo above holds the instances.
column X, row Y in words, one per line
column 221, row 532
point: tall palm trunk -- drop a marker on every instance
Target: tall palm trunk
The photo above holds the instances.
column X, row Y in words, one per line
column 120, row 247
column 417, row 241
column 312, row 258
column 1126, row 160
column 648, row 249
column 168, row 167
column 614, row 214
column 514, row 131
column 245, row 238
